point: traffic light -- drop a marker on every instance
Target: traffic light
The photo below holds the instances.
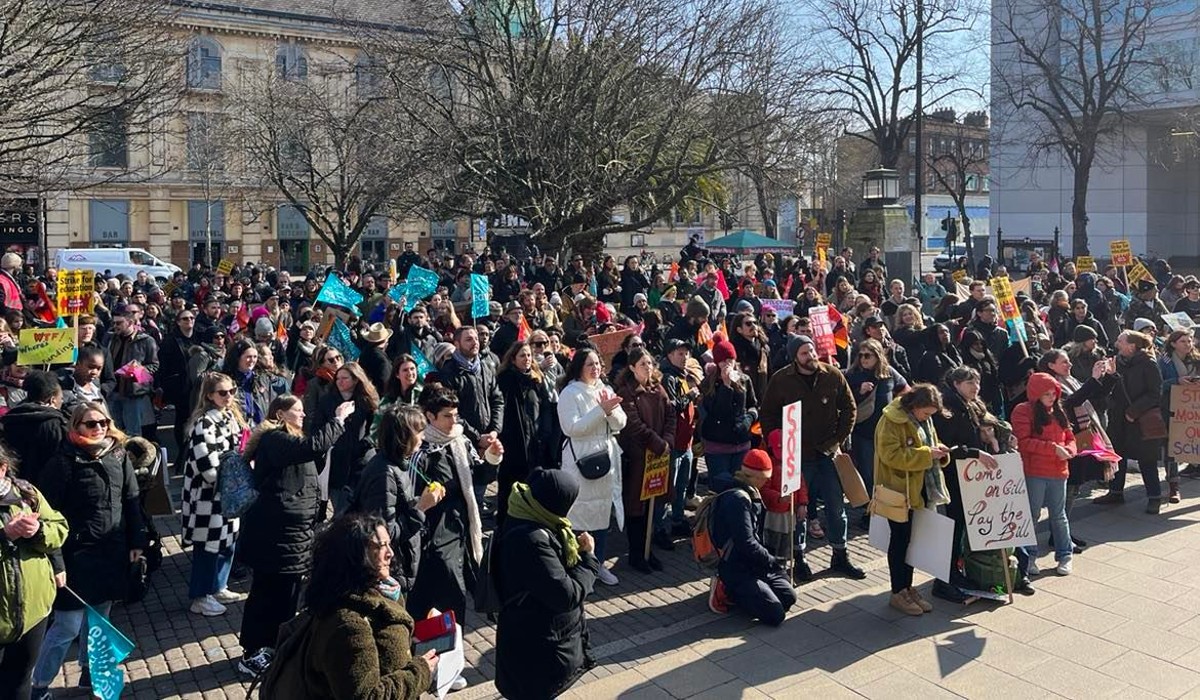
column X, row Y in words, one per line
column 841, row 220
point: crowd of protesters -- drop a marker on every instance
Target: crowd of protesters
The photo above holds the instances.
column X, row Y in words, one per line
column 399, row 433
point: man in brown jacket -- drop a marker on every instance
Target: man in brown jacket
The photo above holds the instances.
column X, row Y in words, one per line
column 826, row 419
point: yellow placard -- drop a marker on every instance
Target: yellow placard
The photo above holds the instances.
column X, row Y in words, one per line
column 824, row 240
column 75, row 292
column 224, row 267
column 656, row 475
column 46, row 346
column 959, row 275
column 1137, row 273
column 1085, row 263
column 1005, row 298
column 1122, row 254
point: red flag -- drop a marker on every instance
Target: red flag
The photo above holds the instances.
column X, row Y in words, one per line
column 281, row 333
column 523, row 329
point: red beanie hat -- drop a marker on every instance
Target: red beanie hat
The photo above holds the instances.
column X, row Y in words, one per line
column 775, row 443
column 722, row 349
column 757, row 461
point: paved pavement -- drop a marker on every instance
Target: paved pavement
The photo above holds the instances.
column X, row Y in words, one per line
column 1127, row 622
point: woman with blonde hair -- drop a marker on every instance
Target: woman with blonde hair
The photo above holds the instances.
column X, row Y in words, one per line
column 349, row 453
column 276, row 542
column 909, row 332
column 214, row 429
column 1135, row 422
column 93, row 484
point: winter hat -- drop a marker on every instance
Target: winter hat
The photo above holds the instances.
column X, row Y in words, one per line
column 1142, row 324
column 1040, row 383
column 757, row 461
column 722, row 349
column 697, row 307
column 794, row 343
column 263, row 327
column 1144, row 286
column 743, row 306
column 639, row 297
column 775, row 443
column 554, row 489
column 1083, row 334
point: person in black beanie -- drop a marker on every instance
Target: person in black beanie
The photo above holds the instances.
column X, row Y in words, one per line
column 543, row 574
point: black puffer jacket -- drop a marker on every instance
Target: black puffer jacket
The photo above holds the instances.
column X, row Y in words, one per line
column 36, row 432
column 391, row 491
column 541, row 638
column 480, row 404
column 350, row 451
column 99, row 497
column 277, row 532
column 526, row 424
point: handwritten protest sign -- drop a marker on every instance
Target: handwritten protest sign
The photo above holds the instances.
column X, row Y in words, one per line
column 224, row 267
column 1009, row 311
column 824, row 240
column 1183, row 439
column 995, row 503
column 656, row 474
column 1138, row 272
column 782, row 307
column 1122, row 254
column 481, row 294
column 822, row 331
column 791, row 450
column 609, row 344
column 1178, row 321
column 1085, row 263
column 75, row 292
column 46, row 346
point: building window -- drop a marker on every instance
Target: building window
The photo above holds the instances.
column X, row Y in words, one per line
column 204, row 64
column 637, row 240
column 912, row 179
column 203, row 141
column 972, row 182
column 368, row 78
column 912, row 145
column 986, row 185
column 291, row 61
column 109, row 141
column 692, row 219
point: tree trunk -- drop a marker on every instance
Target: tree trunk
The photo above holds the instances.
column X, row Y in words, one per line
column 764, row 207
column 1079, row 218
column 966, row 233
column 341, row 255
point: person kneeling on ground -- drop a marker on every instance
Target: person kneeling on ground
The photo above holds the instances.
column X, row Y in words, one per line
column 748, row 576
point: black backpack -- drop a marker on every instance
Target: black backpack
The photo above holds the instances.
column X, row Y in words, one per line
column 284, row 678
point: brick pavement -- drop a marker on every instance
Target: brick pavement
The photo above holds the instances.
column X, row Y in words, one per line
column 653, row 634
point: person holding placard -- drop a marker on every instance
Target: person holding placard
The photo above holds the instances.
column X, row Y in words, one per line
column 1135, row 420
column 908, row 476
column 1180, row 364
column 1046, row 444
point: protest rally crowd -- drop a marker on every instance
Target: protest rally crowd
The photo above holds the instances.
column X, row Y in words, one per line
column 380, row 446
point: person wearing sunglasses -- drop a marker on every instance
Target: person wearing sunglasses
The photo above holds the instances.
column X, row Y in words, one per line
column 319, row 380
column 213, row 429
column 92, row 483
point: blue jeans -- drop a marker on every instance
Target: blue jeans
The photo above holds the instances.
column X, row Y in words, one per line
column 64, row 628
column 601, row 539
column 682, row 462
column 130, row 414
column 210, row 572
column 823, row 483
column 862, row 450
column 1051, row 493
column 721, row 468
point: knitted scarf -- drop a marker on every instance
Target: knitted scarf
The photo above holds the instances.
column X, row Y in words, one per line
column 522, row 504
column 460, row 453
column 93, row 446
column 471, row 366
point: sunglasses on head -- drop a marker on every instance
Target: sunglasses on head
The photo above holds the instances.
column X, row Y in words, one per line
column 93, row 424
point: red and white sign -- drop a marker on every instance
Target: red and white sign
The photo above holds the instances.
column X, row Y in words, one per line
column 822, row 328
column 790, row 483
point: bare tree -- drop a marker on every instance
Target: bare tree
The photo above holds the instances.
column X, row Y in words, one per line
column 333, row 143
column 963, row 160
column 870, row 49
column 84, row 82
column 560, row 112
column 208, row 159
column 1074, row 71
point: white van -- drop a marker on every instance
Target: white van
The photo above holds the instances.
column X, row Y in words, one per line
column 114, row 261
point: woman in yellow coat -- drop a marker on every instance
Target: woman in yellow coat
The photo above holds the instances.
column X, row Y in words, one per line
column 908, row 462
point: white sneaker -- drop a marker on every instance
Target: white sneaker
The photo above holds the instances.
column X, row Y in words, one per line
column 226, row 596
column 458, row 684
column 607, row 577
column 1064, row 568
column 1033, row 568
column 207, row 606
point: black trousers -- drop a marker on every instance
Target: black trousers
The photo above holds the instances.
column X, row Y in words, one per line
column 635, row 533
column 274, row 599
column 16, row 663
column 900, row 572
column 441, row 583
column 766, row 599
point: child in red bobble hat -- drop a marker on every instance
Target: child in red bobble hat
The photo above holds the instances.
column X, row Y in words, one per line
column 780, row 524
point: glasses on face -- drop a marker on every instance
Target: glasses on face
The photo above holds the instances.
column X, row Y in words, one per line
column 94, row 424
column 750, row 324
column 187, row 318
column 223, row 393
column 636, row 345
column 539, row 343
column 332, row 359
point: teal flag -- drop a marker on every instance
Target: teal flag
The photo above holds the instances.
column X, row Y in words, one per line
column 421, row 284
column 481, row 293
column 423, row 366
column 339, row 337
column 106, row 649
column 338, row 293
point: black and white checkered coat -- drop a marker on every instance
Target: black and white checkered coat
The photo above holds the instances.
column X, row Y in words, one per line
column 213, row 434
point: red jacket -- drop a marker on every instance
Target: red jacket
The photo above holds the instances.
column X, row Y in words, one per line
column 772, row 500
column 1038, row 454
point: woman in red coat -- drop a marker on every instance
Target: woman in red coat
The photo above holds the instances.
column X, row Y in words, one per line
column 649, row 431
column 779, row 522
column 1047, row 445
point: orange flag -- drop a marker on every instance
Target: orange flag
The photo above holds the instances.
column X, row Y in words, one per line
column 523, row 329
column 704, row 336
column 281, row 333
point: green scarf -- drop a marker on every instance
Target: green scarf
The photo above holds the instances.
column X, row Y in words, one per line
column 521, row 504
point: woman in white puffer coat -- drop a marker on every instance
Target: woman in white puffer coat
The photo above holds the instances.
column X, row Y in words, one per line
column 591, row 416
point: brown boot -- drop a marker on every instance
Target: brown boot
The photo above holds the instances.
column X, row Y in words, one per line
column 905, row 604
column 915, row 596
